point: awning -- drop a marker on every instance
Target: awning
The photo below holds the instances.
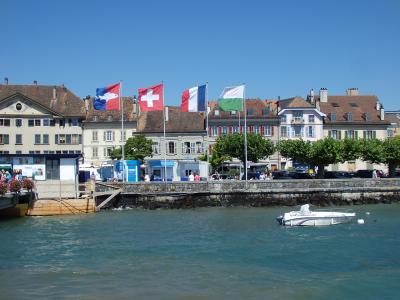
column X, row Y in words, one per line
column 161, row 163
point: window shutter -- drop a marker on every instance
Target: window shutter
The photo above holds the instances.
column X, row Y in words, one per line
column 339, row 134
column 219, row 130
column 113, row 136
column 329, row 133
column 374, row 134
column 262, row 130
column 175, row 148
column 272, row 130
column 356, row 134
column 104, row 135
column 364, row 134
column 56, row 139
column 183, row 148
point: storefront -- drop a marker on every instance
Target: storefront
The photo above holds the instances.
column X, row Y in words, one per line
column 157, row 168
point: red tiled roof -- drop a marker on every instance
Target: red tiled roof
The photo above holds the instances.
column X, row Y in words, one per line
column 129, row 112
column 66, row 103
column 295, row 102
column 257, row 106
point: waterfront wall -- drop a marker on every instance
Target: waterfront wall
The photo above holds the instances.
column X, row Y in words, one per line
column 52, row 207
column 322, row 192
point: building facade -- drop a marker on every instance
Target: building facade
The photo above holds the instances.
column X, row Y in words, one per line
column 353, row 116
column 102, row 131
column 177, row 155
column 261, row 118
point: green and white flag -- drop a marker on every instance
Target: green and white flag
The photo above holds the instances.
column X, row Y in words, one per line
column 232, row 98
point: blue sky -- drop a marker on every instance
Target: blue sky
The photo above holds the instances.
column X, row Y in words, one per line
column 277, row 48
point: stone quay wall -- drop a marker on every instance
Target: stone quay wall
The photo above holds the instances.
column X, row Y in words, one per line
column 321, row 192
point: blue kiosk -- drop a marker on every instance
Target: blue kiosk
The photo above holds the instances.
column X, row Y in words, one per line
column 131, row 169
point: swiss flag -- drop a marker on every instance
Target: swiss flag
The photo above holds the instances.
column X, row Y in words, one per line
column 151, row 98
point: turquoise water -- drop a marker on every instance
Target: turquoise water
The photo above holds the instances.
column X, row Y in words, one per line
column 213, row 253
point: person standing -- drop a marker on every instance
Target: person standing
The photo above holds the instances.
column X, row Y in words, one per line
column 197, row 177
column 191, row 177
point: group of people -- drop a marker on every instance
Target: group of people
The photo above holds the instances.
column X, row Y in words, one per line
column 6, row 175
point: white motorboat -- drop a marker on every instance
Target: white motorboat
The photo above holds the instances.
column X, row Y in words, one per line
column 305, row 217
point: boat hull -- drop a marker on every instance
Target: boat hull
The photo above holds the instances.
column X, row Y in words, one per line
column 316, row 221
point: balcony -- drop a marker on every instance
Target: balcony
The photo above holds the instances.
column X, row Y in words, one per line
column 298, row 121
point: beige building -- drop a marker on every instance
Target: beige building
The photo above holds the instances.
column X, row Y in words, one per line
column 102, row 131
column 185, row 141
column 353, row 116
column 38, row 119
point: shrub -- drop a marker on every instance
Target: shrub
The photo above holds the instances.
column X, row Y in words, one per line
column 3, row 187
column 14, row 185
column 27, row 184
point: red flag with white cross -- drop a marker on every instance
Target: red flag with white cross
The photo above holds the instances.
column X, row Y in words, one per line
column 151, row 98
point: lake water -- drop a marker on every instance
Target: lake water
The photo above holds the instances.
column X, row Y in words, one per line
column 212, row 253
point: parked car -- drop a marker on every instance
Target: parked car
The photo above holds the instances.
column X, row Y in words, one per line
column 282, row 175
column 252, row 176
column 300, row 175
column 337, row 175
column 364, row 173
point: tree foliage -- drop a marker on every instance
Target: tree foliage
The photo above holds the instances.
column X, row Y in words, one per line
column 136, row 148
column 372, row 151
column 391, row 148
column 232, row 146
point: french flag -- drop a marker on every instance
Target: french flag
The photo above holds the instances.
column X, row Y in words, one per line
column 107, row 98
column 194, row 99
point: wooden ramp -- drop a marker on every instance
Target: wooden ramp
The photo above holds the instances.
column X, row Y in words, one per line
column 111, row 197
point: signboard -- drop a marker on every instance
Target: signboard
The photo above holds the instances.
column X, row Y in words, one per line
column 36, row 172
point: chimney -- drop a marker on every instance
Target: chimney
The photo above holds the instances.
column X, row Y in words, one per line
column 53, row 101
column 352, row 92
column 323, row 95
column 378, row 105
column 311, row 98
column 6, row 80
column 134, row 106
column 35, row 82
column 86, row 100
column 382, row 113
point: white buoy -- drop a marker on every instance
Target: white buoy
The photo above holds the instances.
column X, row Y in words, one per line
column 360, row 221
column 367, row 213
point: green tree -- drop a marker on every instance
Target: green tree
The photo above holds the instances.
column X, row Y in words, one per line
column 391, row 149
column 325, row 152
column 136, row 148
column 372, row 151
column 297, row 150
column 232, row 146
column 351, row 149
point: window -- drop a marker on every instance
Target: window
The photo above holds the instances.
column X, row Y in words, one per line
column 18, row 106
column 216, row 112
column 214, row 131
column 61, row 122
column 284, row 132
column 333, row 117
column 349, row 117
column 18, row 122
column 171, row 148
column 52, row 122
column 298, row 115
column 335, row 134
column 224, row 130
column 18, row 152
column 186, row 147
column 266, row 111
column 351, row 134
column 297, row 131
column 38, row 122
column 5, row 122
column 94, row 136
column 390, row 133
column 256, row 129
column 37, row 139
column 31, row 152
column 122, row 136
column 283, row 119
column 108, row 135
column 18, row 139
column 311, row 118
column 199, row 147
column 75, row 139
column 45, row 139
column 31, row 123
column 233, row 112
column 267, row 130
column 61, row 139
column 310, row 131
column 109, row 118
column 71, row 151
column 46, row 122
column 369, row 134
column 95, row 152
column 156, row 148
column 4, row 139
column 250, row 112
column 367, row 116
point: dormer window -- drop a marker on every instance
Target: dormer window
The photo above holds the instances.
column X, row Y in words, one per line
column 349, row 117
column 233, row 112
column 266, row 111
column 367, row 116
column 250, row 112
column 333, row 117
column 109, row 118
column 283, row 118
column 216, row 112
column 95, row 118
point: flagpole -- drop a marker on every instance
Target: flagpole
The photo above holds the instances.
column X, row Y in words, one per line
column 240, row 168
column 206, row 143
column 165, row 142
column 122, row 130
column 245, row 134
